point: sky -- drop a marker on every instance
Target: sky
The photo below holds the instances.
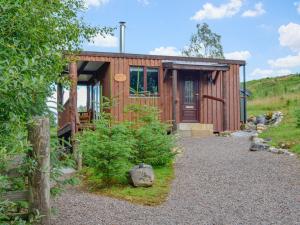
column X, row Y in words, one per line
column 265, row 33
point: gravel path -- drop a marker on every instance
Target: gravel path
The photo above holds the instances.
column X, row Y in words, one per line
column 218, row 181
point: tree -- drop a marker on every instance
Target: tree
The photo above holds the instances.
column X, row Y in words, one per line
column 34, row 36
column 204, row 43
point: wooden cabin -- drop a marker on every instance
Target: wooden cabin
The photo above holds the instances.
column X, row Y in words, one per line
column 185, row 89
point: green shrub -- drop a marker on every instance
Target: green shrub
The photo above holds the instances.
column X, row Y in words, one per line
column 107, row 150
column 152, row 143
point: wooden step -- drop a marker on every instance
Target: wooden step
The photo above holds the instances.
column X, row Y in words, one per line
column 195, row 129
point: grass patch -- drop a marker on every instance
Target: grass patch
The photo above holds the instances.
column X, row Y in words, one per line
column 281, row 94
column 151, row 196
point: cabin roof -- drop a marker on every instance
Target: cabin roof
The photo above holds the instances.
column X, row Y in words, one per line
column 192, row 65
column 163, row 57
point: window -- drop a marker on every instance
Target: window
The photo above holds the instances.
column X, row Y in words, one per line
column 136, row 80
column 152, row 81
column 144, row 81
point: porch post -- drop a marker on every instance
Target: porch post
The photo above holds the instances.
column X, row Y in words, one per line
column 174, row 96
column 88, row 97
column 59, row 101
column 59, row 96
column 73, row 112
column 73, row 96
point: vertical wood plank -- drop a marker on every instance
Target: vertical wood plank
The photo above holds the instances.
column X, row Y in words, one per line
column 174, row 99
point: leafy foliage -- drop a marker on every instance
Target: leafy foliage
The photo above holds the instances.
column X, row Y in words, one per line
column 35, row 36
column 8, row 209
column 153, row 145
column 204, row 43
column 113, row 147
column 107, row 150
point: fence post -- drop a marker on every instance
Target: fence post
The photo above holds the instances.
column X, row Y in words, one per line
column 39, row 179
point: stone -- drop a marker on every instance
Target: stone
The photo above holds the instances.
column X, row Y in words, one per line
column 274, row 150
column 287, row 145
column 250, row 126
column 142, row 175
column 253, row 136
column 251, row 119
column 257, row 146
column 261, row 119
column 276, row 118
column 258, row 140
column 261, row 127
column 225, row 134
column 268, row 139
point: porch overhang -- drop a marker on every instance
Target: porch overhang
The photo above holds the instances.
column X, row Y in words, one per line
column 87, row 70
column 189, row 65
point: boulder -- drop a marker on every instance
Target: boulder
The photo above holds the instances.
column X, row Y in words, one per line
column 258, row 146
column 276, row 118
column 250, row 126
column 261, row 127
column 261, row 119
column 142, row 175
column 251, row 119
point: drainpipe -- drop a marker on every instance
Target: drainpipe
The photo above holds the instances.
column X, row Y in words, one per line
column 244, row 93
column 122, row 36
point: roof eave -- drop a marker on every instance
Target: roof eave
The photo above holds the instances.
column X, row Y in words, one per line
column 162, row 57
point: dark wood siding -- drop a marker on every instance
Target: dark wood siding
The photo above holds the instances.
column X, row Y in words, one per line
column 224, row 116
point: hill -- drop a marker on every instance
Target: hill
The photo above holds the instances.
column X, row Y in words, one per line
column 278, row 94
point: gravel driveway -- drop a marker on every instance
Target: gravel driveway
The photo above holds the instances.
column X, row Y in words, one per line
column 218, row 181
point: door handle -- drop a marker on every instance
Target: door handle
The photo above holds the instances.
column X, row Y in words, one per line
column 197, row 94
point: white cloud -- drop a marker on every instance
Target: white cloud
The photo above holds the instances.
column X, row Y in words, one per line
column 210, row 11
column 263, row 73
column 173, row 51
column 144, row 2
column 289, row 61
column 96, row 3
column 107, row 41
column 238, row 55
column 257, row 11
column 297, row 4
column 289, row 36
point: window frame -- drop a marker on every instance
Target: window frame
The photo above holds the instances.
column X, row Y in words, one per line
column 145, row 81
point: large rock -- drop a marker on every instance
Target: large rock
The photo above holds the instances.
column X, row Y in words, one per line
column 258, row 144
column 142, row 175
column 261, row 119
column 261, row 127
column 250, row 126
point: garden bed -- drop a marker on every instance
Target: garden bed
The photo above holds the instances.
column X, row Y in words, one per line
column 151, row 196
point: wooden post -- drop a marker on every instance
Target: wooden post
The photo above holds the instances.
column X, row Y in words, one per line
column 39, row 180
column 59, row 96
column 73, row 112
column 225, row 104
column 59, row 102
column 88, row 97
column 174, row 97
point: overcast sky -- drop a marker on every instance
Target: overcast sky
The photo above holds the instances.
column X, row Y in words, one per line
column 265, row 33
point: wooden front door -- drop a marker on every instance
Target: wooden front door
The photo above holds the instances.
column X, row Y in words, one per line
column 189, row 92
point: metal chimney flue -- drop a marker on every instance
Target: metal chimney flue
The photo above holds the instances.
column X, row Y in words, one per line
column 122, row 36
